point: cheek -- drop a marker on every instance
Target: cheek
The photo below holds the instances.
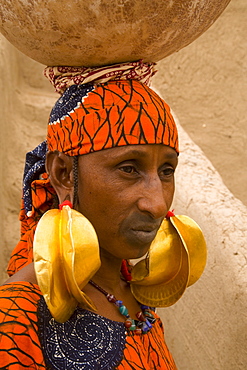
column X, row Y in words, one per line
column 98, row 205
column 89, row 202
column 169, row 194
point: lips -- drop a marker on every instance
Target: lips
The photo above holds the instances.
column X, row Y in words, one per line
column 142, row 234
column 148, row 228
column 144, row 237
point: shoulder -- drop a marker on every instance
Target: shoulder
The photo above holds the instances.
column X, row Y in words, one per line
column 19, row 326
column 20, row 290
column 18, row 302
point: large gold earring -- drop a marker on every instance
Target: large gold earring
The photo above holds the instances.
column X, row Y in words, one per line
column 176, row 260
column 66, row 256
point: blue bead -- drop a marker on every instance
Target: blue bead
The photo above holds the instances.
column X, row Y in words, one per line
column 143, row 307
column 119, row 303
column 148, row 324
column 123, row 310
column 145, row 328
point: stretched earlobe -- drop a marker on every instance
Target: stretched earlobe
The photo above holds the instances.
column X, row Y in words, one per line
column 176, row 260
column 69, row 260
column 59, row 167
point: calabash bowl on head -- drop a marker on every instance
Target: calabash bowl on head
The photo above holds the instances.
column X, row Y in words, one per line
column 101, row 32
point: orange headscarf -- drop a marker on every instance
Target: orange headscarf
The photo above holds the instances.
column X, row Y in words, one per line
column 117, row 113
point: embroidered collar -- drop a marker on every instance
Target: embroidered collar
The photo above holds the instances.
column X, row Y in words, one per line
column 86, row 341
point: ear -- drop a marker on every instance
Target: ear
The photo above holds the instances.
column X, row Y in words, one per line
column 59, row 167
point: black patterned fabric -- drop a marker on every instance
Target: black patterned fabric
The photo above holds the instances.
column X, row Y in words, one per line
column 34, row 166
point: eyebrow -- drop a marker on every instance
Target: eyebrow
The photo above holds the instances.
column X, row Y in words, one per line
column 137, row 152
column 142, row 154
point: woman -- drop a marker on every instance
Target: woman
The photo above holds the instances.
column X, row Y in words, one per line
column 112, row 154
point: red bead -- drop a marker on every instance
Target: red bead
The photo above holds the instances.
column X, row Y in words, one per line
column 111, row 298
column 128, row 323
column 140, row 316
column 138, row 331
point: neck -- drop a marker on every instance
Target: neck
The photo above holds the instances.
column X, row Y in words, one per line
column 108, row 275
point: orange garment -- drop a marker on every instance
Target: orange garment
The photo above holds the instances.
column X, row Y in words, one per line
column 148, row 351
column 20, row 345
column 19, row 341
column 43, row 196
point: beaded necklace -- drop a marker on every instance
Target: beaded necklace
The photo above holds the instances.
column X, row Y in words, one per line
column 145, row 318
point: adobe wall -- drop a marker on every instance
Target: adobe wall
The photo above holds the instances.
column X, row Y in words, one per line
column 206, row 85
column 206, row 328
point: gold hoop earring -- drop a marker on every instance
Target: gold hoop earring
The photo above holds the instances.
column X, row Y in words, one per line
column 177, row 258
column 66, row 256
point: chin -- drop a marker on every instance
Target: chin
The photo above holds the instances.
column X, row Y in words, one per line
column 126, row 251
column 138, row 254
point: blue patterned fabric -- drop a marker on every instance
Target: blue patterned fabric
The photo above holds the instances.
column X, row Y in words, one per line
column 34, row 166
column 86, row 341
column 70, row 99
column 35, row 159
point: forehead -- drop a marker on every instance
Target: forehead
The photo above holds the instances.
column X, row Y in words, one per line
column 146, row 152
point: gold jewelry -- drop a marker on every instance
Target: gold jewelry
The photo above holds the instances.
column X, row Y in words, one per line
column 176, row 260
column 64, row 264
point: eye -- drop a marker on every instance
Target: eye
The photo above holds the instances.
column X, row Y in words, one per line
column 128, row 169
column 167, row 172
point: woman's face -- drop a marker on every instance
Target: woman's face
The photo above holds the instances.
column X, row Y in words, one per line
column 125, row 193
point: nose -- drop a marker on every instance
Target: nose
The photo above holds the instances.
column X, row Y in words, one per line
column 153, row 198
